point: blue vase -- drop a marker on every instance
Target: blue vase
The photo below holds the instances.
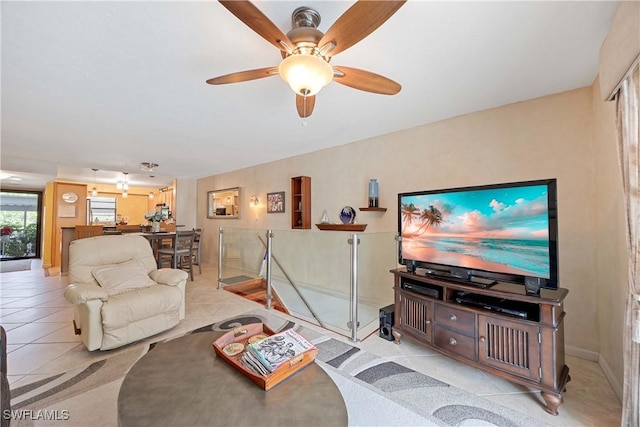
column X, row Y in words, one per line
column 373, row 193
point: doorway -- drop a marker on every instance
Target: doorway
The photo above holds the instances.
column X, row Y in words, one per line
column 20, row 224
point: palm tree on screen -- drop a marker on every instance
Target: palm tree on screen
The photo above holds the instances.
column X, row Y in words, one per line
column 430, row 217
column 409, row 211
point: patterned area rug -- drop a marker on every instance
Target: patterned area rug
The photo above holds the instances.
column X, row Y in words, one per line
column 376, row 391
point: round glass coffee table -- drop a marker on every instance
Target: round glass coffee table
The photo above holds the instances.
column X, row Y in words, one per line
column 183, row 382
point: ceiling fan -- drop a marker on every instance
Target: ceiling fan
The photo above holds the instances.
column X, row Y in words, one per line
column 306, row 51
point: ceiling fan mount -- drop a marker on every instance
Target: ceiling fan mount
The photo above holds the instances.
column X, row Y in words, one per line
column 306, row 51
column 305, row 17
column 305, row 34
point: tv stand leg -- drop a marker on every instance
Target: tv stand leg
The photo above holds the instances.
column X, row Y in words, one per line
column 553, row 401
column 397, row 336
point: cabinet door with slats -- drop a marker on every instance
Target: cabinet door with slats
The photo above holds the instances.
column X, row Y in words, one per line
column 509, row 345
column 416, row 316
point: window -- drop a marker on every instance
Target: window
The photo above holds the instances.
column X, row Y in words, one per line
column 101, row 210
column 20, row 217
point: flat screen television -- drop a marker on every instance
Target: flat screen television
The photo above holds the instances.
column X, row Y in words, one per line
column 483, row 234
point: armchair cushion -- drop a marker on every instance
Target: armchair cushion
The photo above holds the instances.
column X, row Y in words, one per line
column 117, row 280
column 121, row 311
column 80, row 293
column 169, row 276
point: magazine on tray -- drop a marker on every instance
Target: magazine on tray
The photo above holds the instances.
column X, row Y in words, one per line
column 279, row 348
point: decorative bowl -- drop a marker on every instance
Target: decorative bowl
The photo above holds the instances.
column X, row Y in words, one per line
column 347, row 215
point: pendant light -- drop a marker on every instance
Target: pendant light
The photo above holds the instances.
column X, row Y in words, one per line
column 94, row 191
column 125, row 186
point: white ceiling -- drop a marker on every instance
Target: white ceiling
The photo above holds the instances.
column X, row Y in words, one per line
column 108, row 85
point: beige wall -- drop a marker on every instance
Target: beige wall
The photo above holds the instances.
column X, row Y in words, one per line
column 186, row 199
column 611, row 250
column 59, row 217
column 549, row 137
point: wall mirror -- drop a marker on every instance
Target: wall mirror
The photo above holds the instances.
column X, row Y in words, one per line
column 223, row 203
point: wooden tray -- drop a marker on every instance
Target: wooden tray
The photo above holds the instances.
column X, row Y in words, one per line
column 242, row 335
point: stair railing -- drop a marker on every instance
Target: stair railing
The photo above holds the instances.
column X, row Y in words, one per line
column 270, row 256
column 220, row 233
column 354, row 322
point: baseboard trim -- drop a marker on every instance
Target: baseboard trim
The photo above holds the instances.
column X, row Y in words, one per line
column 582, row 353
column 608, row 373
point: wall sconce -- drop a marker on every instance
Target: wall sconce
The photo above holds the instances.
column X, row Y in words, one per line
column 151, row 195
column 253, row 201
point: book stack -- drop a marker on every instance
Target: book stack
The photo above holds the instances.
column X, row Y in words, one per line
column 266, row 355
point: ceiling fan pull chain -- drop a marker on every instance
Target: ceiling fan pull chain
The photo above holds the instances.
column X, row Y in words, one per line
column 304, row 107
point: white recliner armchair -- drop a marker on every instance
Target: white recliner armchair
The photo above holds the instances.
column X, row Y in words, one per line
column 119, row 294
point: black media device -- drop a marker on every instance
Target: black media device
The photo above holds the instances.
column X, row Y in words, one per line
column 482, row 235
column 386, row 322
column 419, row 288
column 500, row 305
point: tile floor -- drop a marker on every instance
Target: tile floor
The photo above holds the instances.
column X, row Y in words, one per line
column 41, row 342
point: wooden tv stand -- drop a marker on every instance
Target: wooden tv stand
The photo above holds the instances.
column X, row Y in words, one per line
column 525, row 347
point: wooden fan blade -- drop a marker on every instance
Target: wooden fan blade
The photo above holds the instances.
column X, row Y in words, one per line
column 258, row 22
column 365, row 80
column 243, row 76
column 305, row 104
column 360, row 20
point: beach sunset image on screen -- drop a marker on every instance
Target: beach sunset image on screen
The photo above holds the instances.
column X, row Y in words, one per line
column 502, row 230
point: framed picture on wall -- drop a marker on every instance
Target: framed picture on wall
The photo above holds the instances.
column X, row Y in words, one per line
column 275, row 202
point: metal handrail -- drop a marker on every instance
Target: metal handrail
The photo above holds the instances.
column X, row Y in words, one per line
column 354, row 322
column 295, row 287
column 220, row 233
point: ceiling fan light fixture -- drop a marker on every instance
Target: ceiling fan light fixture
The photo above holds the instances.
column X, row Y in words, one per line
column 148, row 166
column 306, row 74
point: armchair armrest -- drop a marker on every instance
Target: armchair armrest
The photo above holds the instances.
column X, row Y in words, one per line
column 169, row 276
column 82, row 292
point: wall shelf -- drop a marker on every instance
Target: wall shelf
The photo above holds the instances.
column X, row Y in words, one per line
column 342, row 227
column 301, row 203
column 373, row 209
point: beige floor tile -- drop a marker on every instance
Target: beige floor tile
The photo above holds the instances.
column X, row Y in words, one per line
column 20, row 292
column 29, row 358
column 13, row 347
column 30, row 315
column 59, row 301
column 4, row 312
column 9, row 326
column 31, row 332
column 5, row 301
column 64, row 334
column 58, row 315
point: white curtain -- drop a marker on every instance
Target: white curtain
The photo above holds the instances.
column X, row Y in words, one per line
column 629, row 156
